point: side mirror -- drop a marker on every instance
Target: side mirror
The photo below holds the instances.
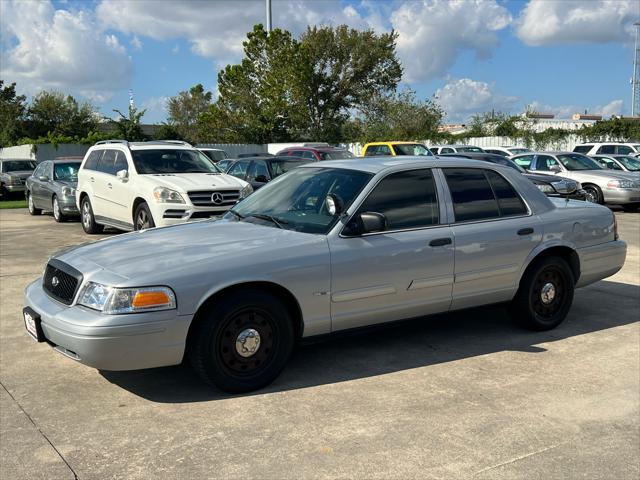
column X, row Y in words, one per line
column 366, row 222
column 43, row 178
column 555, row 168
column 335, row 205
column 122, row 175
column 261, row 179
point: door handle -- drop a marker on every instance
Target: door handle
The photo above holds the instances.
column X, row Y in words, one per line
column 525, row 231
column 439, row 242
column 109, row 185
column 93, row 179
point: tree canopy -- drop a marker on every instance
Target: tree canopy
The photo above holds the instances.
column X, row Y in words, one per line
column 184, row 110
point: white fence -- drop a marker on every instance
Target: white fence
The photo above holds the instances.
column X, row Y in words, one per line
column 235, row 149
column 45, row 151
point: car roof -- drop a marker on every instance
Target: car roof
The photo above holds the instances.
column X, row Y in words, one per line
column 394, row 142
column 380, row 163
column 17, row 160
column 275, row 157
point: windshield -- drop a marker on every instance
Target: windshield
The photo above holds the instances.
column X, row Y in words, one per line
column 575, row 161
column 469, row 149
column 336, row 155
column 215, row 155
column 412, row 149
column 18, row 165
column 280, row 166
column 172, row 161
column 296, row 201
column 516, row 151
column 67, row 172
column 630, row 163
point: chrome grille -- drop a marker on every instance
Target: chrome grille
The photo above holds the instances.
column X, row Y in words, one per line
column 61, row 281
column 214, row 198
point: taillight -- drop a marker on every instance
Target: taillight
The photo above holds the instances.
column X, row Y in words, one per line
column 615, row 227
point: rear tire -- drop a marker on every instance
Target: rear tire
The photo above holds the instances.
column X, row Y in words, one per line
column 88, row 221
column 142, row 218
column 241, row 342
column 31, row 206
column 594, row 194
column 545, row 294
column 58, row 216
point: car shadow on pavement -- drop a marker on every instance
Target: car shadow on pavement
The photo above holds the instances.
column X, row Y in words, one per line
column 403, row 345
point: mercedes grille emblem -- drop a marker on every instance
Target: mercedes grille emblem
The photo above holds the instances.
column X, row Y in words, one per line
column 55, row 282
column 217, row 198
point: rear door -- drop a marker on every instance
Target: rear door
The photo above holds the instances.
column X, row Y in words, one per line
column 494, row 233
column 102, row 179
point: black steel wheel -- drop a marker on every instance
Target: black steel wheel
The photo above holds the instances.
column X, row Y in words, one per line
column 545, row 294
column 242, row 341
column 143, row 218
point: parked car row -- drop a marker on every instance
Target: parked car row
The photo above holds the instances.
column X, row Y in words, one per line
column 14, row 174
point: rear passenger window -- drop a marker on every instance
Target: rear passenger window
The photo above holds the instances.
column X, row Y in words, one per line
column 92, row 161
column 606, row 150
column 524, row 161
column 106, row 163
column 509, row 201
column 406, row 199
column 471, row 193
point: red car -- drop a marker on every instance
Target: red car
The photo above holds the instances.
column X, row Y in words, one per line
column 317, row 152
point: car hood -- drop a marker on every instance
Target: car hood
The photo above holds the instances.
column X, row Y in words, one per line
column 162, row 250
column 543, row 178
column 23, row 174
column 196, row 181
column 596, row 175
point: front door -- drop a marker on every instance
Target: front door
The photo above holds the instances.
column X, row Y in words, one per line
column 404, row 271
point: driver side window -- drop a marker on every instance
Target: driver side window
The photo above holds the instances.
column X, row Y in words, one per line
column 545, row 162
column 406, row 199
column 258, row 172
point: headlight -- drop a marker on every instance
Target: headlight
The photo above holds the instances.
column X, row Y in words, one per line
column 622, row 184
column 68, row 192
column 246, row 191
column 543, row 187
column 112, row 300
column 166, row 195
column 14, row 181
column 564, row 186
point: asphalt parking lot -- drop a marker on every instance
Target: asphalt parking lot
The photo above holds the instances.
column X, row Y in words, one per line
column 454, row 396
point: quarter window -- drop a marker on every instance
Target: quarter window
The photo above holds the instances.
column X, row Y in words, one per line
column 471, row 193
column 406, row 199
column 509, row 201
column 92, row 161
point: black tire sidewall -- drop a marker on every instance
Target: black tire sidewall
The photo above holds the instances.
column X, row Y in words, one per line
column 61, row 217
column 94, row 227
column 599, row 199
column 522, row 307
column 204, row 347
column 34, row 211
column 142, row 206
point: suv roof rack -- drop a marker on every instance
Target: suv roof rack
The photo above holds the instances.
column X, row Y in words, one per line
column 103, row 142
column 164, row 142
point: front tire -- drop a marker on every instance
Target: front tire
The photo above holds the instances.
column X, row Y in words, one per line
column 142, row 218
column 242, row 342
column 58, row 216
column 31, row 206
column 89, row 224
column 545, row 294
column 594, row 194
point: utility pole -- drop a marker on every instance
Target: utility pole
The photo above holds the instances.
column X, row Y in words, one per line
column 268, row 15
column 635, row 81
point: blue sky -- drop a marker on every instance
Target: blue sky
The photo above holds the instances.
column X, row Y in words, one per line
column 559, row 56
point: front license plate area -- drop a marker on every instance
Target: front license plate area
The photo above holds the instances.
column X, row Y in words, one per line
column 32, row 323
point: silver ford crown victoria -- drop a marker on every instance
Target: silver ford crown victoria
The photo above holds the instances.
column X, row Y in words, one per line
column 324, row 248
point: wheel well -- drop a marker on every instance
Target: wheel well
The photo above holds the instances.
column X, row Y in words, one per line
column 136, row 202
column 276, row 290
column 567, row 254
column 588, row 184
column 82, row 196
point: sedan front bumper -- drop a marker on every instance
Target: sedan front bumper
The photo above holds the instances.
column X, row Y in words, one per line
column 110, row 342
column 621, row 196
column 68, row 205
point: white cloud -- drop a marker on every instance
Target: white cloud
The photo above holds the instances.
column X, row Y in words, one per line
column 464, row 97
column 44, row 48
column 544, row 22
column 615, row 107
column 136, row 43
column 156, row 109
column 431, row 33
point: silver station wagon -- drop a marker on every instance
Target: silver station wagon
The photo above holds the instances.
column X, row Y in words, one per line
column 324, row 248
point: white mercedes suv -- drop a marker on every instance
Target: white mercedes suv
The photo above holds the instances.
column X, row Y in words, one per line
column 138, row 185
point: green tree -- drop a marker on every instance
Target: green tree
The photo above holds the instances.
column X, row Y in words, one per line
column 185, row 109
column 12, row 112
column 287, row 89
column 51, row 113
column 397, row 116
column 128, row 126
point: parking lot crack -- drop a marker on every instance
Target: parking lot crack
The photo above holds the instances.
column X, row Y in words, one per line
column 521, row 457
column 75, row 476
